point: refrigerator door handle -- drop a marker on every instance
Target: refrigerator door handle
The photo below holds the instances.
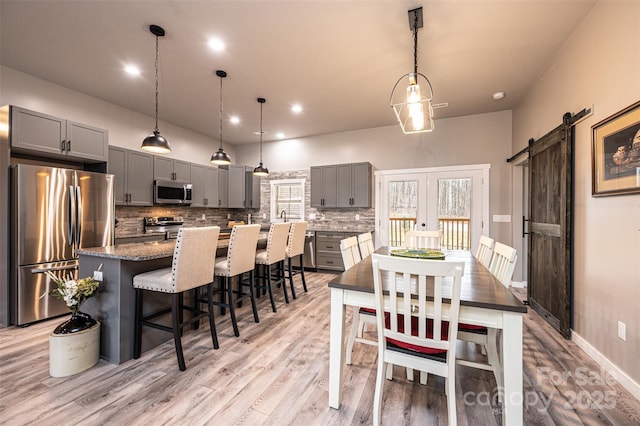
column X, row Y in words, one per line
column 78, row 215
column 53, row 268
column 71, row 214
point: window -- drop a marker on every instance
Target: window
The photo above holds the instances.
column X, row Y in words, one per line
column 287, row 196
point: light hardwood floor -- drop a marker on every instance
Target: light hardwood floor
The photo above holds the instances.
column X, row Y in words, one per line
column 276, row 373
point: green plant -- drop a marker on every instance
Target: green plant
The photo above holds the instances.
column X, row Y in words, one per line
column 73, row 292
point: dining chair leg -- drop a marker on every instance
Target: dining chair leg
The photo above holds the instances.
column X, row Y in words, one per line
column 377, row 396
column 355, row 318
column 137, row 334
column 212, row 323
column 175, row 322
column 232, row 311
column 252, row 296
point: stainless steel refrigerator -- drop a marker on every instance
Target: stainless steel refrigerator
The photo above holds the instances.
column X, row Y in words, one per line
column 54, row 212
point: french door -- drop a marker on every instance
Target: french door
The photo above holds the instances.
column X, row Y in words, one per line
column 453, row 200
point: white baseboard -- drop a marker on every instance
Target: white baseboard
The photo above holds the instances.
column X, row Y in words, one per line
column 607, row 365
column 519, row 284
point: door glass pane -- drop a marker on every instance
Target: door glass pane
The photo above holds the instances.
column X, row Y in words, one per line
column 454, row 213
column 403, row 210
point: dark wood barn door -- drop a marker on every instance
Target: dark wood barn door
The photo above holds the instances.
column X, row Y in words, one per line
column 549, row 280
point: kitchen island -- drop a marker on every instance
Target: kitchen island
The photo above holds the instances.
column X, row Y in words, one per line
column 114, row 304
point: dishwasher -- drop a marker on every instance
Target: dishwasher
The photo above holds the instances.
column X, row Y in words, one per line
column 309, row 256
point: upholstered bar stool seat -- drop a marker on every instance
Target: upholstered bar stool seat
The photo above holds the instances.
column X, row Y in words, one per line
column 240, row 259
column 274, row 254
column 192, row 267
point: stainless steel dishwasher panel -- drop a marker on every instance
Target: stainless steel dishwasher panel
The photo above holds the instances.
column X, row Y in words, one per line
column 309, row 256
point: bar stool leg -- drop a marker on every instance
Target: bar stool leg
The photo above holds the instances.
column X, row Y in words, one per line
column 137, row 334
column 304, row 282
column 252, row 296
column 175, row 307
column 293, row 289
column 212, row 323
column 268, row 278
column 232, row 311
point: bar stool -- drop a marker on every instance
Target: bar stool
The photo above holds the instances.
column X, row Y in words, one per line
column 274, row 254
column 192, row 267
column 239, row 260
column 295, row 247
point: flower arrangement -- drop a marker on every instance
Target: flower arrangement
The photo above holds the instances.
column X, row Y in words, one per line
column 73, row 292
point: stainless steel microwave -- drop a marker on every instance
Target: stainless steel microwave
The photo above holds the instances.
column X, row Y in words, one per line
column 169, row 192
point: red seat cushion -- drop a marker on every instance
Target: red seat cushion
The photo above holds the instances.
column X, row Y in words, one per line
column 367, row 311
column 471, row 327
column 414, row 332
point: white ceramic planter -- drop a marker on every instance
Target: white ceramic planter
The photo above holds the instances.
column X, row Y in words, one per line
column 73, row 353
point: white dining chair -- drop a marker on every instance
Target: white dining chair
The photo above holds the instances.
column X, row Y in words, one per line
column 485, row 250
column 350, row 252
column 422, row 340
column 503, row 263
column 422, row 239
column 365, row 242
column 192, row 267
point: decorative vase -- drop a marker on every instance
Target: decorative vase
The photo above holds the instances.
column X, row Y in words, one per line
column 72, row 353
column 79, row 321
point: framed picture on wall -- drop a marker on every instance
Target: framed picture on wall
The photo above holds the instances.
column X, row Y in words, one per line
column 615, row 155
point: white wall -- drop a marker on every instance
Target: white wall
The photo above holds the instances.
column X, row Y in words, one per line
column 127, row 129
column 599, row 65
column 482, row 138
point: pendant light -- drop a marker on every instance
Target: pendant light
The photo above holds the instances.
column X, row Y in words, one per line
column 414, row 112
column 154, row 142
column 260, row 169
column 220, row 157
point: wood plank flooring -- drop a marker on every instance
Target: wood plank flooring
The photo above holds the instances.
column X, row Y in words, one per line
column 276, row 373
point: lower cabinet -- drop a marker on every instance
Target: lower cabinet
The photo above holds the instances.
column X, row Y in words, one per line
column 328, row 254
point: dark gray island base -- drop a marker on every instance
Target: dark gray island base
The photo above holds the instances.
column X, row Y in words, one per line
column 114, row 304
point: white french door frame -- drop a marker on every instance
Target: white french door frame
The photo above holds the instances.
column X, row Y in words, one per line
column 428, row 176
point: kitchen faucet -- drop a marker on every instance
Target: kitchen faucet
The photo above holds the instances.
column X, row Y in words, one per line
column 283, row 214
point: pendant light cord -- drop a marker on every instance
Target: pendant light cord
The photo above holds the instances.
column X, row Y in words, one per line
column 220, row 133
column 157, row 55
column 261, row 133
column 415, row 43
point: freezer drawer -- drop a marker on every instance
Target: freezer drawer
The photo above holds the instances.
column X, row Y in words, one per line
column 32, row 300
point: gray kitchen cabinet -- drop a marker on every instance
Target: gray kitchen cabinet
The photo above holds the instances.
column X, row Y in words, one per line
column 236, row 186
column 223, row 188
column 35, row 132
column 328, row 254
column 133, row 176
column 323, row 186
column 252, row 189
column 354, row 185
column 199, row 186
column 204, row 181
column 169, row 169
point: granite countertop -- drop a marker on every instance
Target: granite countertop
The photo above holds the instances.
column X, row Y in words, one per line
column 148, row 250
column 332, row 228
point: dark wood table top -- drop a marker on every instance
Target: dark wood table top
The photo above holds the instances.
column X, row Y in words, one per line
column 479, row 287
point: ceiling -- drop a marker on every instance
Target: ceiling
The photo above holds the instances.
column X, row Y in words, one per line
column 339, row 59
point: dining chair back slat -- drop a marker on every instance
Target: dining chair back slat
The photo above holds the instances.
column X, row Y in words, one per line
column 485, row 250
column 503, row 263
column 422, row 239
column 350, row 252
column 365, row 242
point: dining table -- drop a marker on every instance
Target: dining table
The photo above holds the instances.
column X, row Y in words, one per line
column 484, row 301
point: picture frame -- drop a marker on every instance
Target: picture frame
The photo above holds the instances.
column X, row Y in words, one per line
column 615, row 153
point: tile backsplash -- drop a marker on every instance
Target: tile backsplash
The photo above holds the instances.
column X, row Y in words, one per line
column 130, row 218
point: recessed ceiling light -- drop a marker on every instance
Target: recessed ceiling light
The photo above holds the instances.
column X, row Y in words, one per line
column 498, row 95
column 234, row 119
column 297, row 108
column 132, row 70
column 280, row 135
column 216, row 44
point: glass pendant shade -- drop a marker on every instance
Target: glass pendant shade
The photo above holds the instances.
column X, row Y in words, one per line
column 154, row 142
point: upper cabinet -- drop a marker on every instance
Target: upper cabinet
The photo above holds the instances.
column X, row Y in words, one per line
column 133, row 176
column 323, row 186
column 205, row 186
column 169, row 169
column 341, row 186
column 354, row 185
column 223, row 188
column 243, row 188
column 34, row 132
column 252, row 189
